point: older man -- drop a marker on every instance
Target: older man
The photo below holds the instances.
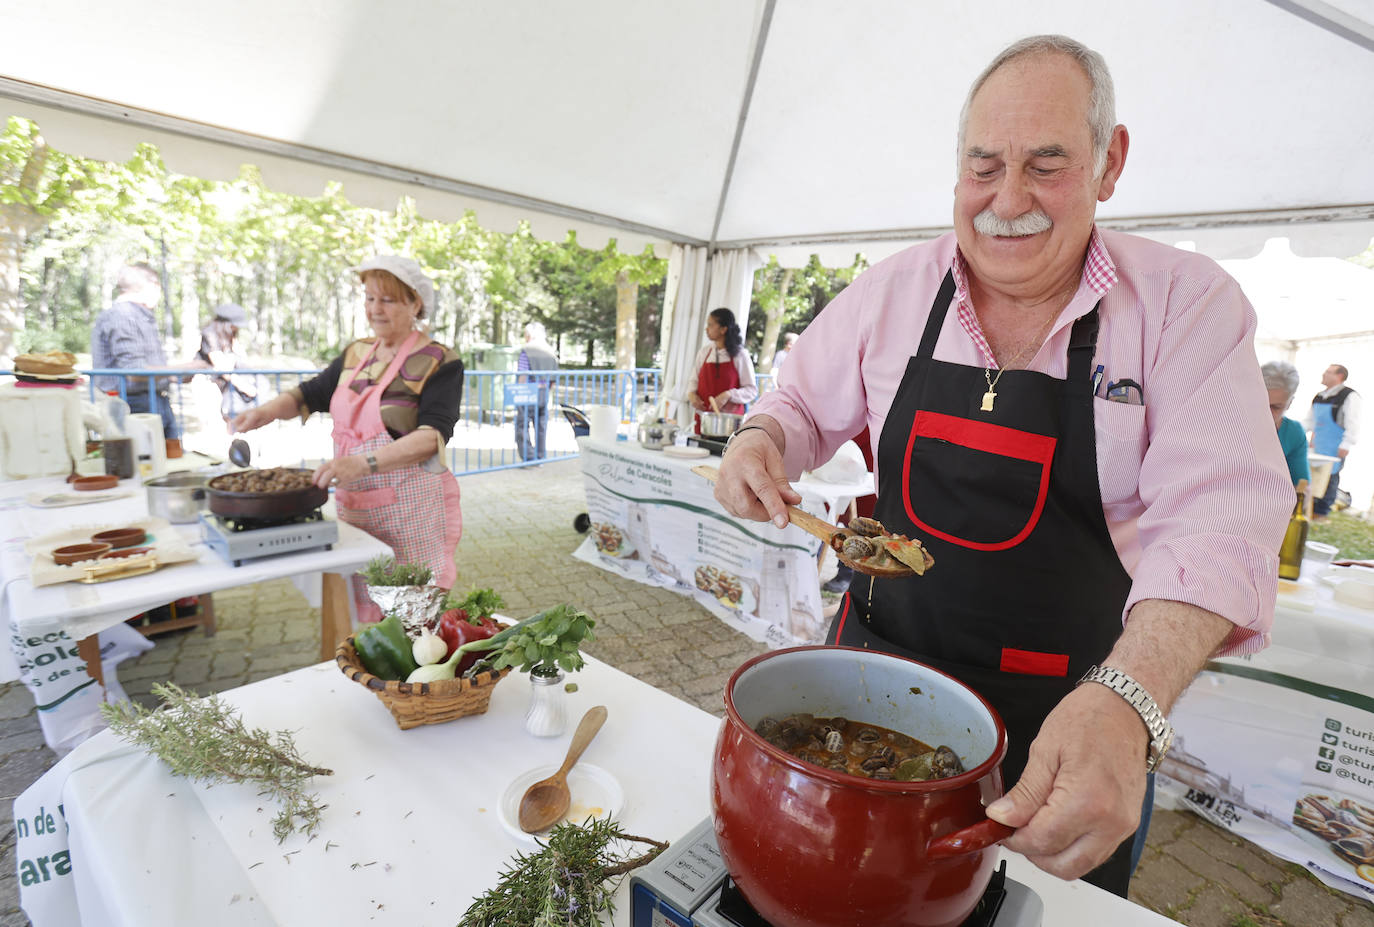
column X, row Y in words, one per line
column 1073, row 421
column 125, row 336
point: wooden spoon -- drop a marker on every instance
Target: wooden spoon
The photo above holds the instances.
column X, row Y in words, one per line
column 825, row 531
column 715, row 406
column 544, row 803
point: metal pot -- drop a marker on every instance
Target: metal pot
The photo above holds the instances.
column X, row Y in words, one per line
column 812, row 847
column 177, row 497
column 657, row 435
column 266, row 505
column 719, row 424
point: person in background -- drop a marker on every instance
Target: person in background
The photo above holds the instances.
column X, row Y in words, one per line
column 394, row 399
column 1334, row 425
column 723, row 369
column 788, row 340
column 1281, row 380
column 125, row 337
column 537, row 354
column 1043, row 394
column 218, row 352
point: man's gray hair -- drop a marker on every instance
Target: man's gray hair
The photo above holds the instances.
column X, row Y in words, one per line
column 534, row 331
column 1281, row 375
column 1101, row 92
column 135, row 278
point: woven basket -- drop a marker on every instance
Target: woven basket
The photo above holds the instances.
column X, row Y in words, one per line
column 422, row 702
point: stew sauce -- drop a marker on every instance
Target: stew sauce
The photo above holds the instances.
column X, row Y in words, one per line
column 859, row 748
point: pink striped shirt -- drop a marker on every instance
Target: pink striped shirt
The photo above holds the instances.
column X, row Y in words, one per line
column 1194, row 486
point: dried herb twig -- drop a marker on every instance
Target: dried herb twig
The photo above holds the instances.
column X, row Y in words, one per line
column 204, row 739
column 566, row 882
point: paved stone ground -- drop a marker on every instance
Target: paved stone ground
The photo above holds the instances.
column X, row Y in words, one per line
column 517, row 537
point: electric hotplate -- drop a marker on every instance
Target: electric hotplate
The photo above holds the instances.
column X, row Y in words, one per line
column 687, row 886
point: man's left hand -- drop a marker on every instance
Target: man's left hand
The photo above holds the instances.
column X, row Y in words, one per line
column 1083, row 786
column 1342, row 452
column 341, row 471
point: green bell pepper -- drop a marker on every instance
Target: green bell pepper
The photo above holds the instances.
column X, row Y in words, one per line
column 385, row 649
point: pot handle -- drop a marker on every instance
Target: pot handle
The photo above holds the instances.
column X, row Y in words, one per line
column 971, row 839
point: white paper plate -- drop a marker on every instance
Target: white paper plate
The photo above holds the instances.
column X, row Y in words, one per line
column 689, row 450
column 595, row 793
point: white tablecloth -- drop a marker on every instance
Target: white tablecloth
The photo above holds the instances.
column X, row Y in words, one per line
column 666, row 529
column 411, row 834
column 1256, row 734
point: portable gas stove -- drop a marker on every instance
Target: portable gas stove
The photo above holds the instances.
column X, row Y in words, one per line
column 687, row 886
column 240, row 539
column 715, row 445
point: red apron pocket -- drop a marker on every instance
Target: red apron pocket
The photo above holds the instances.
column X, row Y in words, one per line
column 1034, row 663
column 366, row 498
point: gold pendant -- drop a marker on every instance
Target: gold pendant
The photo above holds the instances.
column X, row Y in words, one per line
column 988, row 398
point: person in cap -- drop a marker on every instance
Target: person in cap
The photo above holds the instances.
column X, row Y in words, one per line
column 394, row 399
column 1043, row 394
column 218, row 352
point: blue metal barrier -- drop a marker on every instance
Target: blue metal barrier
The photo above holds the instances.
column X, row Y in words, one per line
column 484, row 434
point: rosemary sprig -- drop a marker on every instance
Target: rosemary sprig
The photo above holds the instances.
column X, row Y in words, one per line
column 204, row 739
column 385, row 571
column 565, row 883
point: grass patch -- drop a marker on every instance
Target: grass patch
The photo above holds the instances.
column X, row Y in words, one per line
column 1353, row 536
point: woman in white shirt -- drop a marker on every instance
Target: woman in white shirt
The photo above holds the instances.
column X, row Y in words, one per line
column 724, row 371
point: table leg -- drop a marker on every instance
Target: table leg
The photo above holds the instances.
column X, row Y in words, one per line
column 336, row 622
column 88, row 649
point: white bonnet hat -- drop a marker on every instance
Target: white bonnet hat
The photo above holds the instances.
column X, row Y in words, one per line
column 404, row 270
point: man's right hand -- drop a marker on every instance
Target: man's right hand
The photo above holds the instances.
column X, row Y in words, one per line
column 753, row 483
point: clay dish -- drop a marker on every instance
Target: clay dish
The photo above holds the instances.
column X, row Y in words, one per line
column 90, row 483
column 124, row 552
column 120, row 537
column 75, row 553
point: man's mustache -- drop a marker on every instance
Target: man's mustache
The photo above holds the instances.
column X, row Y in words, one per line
column 988, row 222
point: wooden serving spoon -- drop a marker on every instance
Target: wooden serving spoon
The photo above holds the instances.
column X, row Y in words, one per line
column 545, row 802
column 825, row 531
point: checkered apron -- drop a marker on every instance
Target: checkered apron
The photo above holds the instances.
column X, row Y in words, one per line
column 415, row 512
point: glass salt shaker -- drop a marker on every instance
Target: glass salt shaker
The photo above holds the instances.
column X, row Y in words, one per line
column 547, row 715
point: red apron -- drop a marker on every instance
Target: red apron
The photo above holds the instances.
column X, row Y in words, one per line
column 714, row 379
column 412, row 510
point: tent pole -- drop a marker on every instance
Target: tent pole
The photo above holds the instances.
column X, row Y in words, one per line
column 1335, row 21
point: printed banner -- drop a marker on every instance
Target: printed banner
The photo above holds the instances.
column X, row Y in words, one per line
column 1284, row 762
column 655, row 521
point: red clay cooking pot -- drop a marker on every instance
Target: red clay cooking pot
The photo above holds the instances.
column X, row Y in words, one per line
column 811, row 847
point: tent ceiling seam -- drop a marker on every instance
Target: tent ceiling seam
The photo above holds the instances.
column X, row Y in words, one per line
column 765, row 23
column 1333, row 20
column 36, row 94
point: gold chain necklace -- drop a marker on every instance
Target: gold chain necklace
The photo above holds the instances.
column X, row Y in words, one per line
column 991, row 395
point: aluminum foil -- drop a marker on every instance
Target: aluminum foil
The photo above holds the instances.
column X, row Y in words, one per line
column 418, row 607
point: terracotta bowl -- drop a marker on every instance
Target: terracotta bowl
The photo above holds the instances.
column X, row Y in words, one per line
column 120, row 537
column 75, row 553
column 123, row 552
column 90, row 483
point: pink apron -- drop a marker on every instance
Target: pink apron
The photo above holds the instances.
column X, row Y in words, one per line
column 412, row 510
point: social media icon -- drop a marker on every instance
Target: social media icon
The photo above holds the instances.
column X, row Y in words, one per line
column 1323, row 767
column 1329, row 739
column 1326, row 753
column 1333, row 725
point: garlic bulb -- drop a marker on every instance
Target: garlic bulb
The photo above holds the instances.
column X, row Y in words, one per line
column 428, row 648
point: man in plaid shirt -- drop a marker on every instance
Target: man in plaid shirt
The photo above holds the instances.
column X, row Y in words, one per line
column 125, row 336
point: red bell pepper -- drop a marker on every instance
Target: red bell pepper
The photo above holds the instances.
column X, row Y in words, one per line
column 456, row 628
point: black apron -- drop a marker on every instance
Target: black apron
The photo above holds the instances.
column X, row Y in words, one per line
column 1027, row 590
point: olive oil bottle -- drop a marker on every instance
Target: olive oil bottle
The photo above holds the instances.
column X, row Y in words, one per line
column 1295, row 538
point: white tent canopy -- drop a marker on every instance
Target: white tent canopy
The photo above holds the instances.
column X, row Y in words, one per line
column 774, row 124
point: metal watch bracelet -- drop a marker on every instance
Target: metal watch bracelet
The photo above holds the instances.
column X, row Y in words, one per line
column 1160, row 730
column 730, row 440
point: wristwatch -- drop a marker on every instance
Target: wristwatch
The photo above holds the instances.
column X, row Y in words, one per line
column 1161, row 731
column 372, row 462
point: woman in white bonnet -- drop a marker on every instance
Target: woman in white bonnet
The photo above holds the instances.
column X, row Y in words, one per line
column 394, row 399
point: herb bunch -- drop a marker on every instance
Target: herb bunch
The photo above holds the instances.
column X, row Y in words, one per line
column 479, row 603
column 205, row 740
column 385, row 571
column 568, row 882
column 547, row 642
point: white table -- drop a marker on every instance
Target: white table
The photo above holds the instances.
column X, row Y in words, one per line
column 81, row 611
column 1255, row 734
column 666, row 529
column 411, row 834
